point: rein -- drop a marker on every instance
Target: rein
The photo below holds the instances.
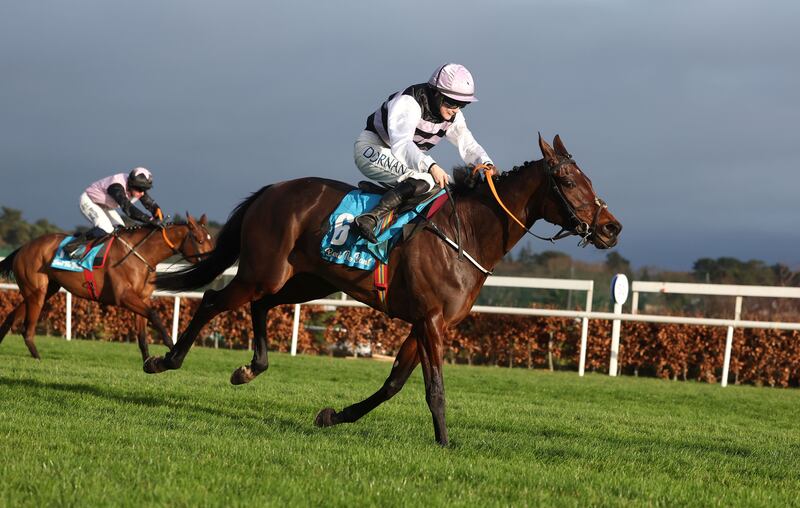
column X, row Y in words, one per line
column 175, row 250
column 169, row 243
column 581, row 228
column 132, row 250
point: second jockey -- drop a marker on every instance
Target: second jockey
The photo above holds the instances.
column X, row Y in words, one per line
column 100, row 201
column 393, row 147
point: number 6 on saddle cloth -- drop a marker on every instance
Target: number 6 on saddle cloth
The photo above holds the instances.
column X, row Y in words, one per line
column 343, row 245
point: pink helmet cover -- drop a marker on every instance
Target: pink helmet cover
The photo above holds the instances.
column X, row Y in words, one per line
column 454, row 81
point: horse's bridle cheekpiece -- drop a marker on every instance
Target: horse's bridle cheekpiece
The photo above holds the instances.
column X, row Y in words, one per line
column 578, row 228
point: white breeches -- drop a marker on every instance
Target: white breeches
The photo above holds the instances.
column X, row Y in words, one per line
column 101, row 217
column 375, row 160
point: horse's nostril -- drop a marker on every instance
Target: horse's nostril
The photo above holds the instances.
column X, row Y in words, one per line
column 611, row 229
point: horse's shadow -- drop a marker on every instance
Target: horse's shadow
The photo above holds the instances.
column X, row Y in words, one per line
column 157, row 402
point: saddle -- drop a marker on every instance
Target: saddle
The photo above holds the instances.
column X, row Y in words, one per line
column 340, row 245
column 93, row 254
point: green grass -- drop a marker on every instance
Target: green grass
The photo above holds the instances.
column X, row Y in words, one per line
column 85, row 426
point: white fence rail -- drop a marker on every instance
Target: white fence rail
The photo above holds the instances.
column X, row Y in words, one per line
column 637, row 287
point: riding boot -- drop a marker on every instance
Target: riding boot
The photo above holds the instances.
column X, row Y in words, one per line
column 390, row 201
column 71, row 248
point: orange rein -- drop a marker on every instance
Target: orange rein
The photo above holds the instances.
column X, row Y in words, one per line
column 489, row 172
column 160, row 216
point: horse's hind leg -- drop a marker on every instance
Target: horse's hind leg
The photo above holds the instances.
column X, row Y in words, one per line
column 298, row 289
column 404, row 364
column 260, row 362
column 214, row 302
column 34, row 301
column 13, row 318
column 33, row 308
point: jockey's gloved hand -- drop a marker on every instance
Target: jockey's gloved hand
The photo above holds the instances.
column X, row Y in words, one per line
column 494, row 169
column 155, row 221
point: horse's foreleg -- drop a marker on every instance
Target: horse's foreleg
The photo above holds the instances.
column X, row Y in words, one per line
column 214, row 302
column 140, row 328
column 260, row 362
column 430, row 355
column 155, row 320
column 404, row 364
column 136, row 304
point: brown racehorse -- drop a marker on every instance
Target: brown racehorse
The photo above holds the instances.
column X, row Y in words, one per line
column 276, row 235
column 125, row 280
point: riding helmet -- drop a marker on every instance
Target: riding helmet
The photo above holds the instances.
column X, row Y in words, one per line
column 140, row 179
column 454, row 81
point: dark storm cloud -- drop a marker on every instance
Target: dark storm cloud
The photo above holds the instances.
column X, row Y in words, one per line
column 683, row 113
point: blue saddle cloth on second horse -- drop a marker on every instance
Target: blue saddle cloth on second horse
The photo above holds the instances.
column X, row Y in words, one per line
column 92, row 256
column 344, row 246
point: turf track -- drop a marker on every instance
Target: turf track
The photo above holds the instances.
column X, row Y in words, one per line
column 86, row 427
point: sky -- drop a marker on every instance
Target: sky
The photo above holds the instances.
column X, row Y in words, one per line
column 684, row 114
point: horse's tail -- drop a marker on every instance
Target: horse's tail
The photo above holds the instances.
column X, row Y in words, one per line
column 7, row 265
column 224, row 255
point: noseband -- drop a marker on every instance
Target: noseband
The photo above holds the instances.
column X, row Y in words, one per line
column 579, row 227
column 190, row 257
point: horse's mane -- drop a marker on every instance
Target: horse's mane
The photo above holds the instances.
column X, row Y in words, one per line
column 465, row 183
column 138, row 226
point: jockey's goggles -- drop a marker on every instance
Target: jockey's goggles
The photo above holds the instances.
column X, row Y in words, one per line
column 452, row 103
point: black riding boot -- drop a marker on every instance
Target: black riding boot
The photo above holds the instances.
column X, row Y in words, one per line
column 71, row 247
column 367, row 222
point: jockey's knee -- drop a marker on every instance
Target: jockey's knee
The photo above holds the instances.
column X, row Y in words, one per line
column 421, row 186
column 96, row 232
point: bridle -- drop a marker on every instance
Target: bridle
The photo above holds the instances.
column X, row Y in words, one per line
column 197, row 243
column 577, row 226
column 175, row 250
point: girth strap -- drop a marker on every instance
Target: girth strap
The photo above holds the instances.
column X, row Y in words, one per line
column 381, row 279
column 90, row 286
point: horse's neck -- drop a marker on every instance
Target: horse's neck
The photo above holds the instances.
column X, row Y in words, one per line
column 155, row 249
column 495, row 233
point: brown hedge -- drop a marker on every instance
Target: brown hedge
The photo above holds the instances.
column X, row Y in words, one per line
column 761, row 357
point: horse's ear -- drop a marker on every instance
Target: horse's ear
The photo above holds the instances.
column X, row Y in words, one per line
column 189, row 219
column 560, row 148
column 547, row 151
column 203, row 220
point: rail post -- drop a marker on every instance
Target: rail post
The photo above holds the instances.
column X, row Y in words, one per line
column 737, row 314
column 295, row 328
column 619, row 294
column 176, row 314
column 69, row 316
column 585, row 332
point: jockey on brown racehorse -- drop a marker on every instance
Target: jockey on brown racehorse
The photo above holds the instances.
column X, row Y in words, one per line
column 100, row 200
column 126, row 278
column 393, row 147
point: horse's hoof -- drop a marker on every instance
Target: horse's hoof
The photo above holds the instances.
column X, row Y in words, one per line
column 326, row 418
column 242, row 375
column 154, row 365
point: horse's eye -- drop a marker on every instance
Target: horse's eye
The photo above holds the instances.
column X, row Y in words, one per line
column 569, row 184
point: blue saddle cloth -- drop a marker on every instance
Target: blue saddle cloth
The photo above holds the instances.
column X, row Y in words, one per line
column 344, row 246
column 62, row 262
